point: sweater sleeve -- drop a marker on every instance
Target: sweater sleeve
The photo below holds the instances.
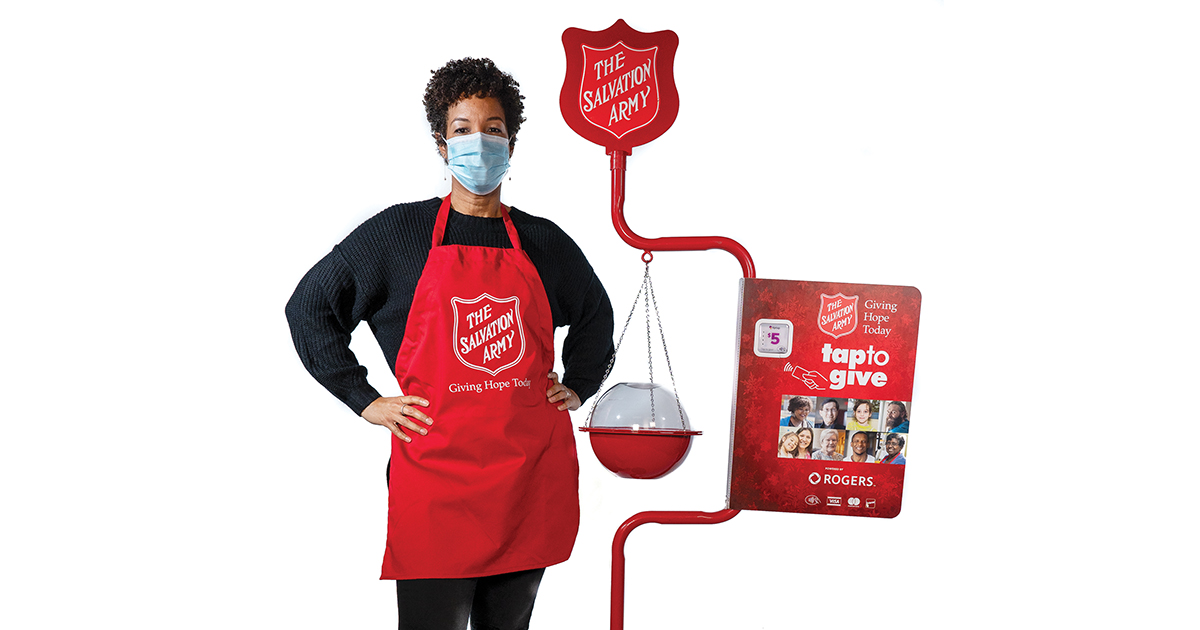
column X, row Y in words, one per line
column 322, row 313
column 588, row 346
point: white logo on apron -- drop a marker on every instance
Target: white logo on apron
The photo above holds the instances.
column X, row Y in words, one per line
column 488, row 334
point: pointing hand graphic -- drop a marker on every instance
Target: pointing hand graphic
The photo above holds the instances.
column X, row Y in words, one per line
column 809, row 377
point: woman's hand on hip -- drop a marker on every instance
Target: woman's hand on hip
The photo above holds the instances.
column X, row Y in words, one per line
column 559, row 393
column 399, row 411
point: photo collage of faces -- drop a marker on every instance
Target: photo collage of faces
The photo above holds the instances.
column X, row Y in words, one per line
column 844, row 429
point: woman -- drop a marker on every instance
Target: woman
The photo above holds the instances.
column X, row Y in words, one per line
column 862, row 417
column 894, row 447
column 798, row 410
column 829, row 446
column 858, row 449
column 804, row 450
column 463, row 295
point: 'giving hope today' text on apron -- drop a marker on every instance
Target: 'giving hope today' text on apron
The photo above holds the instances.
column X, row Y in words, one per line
column 494, row 486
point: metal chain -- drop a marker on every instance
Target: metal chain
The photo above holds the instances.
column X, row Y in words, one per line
column 612, row 360
column 649, row 351
column 648, row 289
column 663, row 337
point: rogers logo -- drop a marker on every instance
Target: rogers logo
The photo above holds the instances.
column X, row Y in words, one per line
column 841, row 480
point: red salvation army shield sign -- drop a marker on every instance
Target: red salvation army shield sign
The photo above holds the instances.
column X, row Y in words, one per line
column 488, row 334
column 838, row 315
column 619, row 90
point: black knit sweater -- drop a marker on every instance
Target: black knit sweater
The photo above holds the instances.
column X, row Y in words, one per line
column 371, row 276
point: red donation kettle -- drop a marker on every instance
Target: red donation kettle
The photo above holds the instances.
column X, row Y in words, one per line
column 639, row 431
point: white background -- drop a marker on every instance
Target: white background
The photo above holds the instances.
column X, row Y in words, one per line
column 170, row 171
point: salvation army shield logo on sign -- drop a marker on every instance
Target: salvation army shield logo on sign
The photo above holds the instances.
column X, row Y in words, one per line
column 488, row 335
column 838, row 315
column 619, row 89
column 619, row 92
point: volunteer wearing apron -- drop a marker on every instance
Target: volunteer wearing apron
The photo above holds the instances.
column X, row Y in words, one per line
column 463, row 295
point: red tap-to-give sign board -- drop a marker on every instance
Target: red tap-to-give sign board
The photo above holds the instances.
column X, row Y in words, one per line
column 824, row 378
column 619, row 91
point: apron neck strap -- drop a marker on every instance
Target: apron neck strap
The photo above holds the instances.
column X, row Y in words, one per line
column 439, row 226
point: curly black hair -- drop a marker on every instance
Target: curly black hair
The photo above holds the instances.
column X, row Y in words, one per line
column 467, row 77
column 798, row 402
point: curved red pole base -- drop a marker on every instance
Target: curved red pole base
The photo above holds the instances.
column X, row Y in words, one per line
column 667, row 243
column 617, row 606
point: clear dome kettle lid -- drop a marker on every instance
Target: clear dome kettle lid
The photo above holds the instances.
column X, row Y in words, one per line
column 640, row 407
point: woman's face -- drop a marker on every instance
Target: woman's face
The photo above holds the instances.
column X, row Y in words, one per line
column 858, row 444
column 801, row 412
column 862, row 413
column 829, row 442
column 790, row 442
column 804, row 439
column 892, row 446
column 475, row 115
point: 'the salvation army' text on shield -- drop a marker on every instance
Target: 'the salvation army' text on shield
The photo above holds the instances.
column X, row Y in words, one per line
column 488, row 333
column 838, row 315
column 619, row 92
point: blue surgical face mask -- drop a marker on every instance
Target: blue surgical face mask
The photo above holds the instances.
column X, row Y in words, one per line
column 478, row 161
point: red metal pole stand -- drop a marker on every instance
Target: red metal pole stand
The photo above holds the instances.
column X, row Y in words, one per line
column 670, row 243
column 667, row 243
column 617, row 606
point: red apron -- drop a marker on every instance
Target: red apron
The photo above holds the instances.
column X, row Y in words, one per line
column 494, row 487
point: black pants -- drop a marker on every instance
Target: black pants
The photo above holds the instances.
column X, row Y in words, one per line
column 497, row 602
